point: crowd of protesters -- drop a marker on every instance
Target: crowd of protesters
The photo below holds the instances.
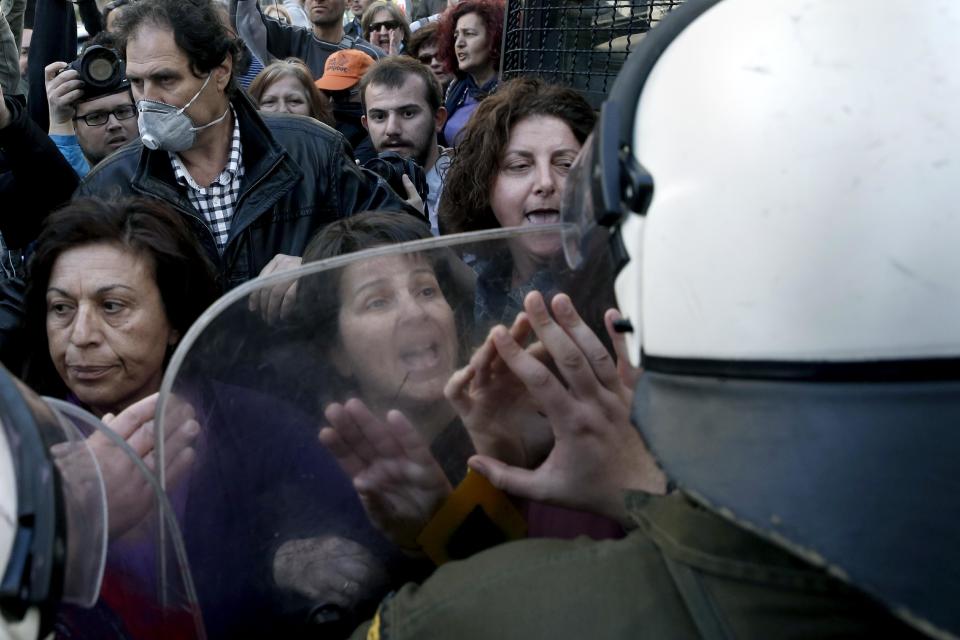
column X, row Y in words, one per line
column 239, row 139
column 188, row 148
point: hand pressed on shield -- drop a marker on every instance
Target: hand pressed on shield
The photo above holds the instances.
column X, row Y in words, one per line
column 597, row 452
column 398, row 480
column 503, row 419
column 276, row 303
column 329, row 570
column 129, row 496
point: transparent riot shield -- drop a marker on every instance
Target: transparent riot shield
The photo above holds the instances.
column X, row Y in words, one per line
column 91, row 527
column 277, row 538
column 145, row 590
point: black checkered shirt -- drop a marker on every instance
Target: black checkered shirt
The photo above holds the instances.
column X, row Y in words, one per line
column 216, row 201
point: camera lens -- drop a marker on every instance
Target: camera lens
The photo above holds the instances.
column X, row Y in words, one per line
column 100, row 70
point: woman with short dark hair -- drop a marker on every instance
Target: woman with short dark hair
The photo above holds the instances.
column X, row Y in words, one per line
column 112, row 287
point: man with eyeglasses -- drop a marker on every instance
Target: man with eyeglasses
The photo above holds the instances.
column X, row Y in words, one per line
column 87, row 128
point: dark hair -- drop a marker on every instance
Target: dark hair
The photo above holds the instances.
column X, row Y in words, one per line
column 422, row 37
column 184, row 276
column 465, row 205
column 293, row 68
column 367, row 18
column 490, row 11
column 197, row 27
column 392, row 72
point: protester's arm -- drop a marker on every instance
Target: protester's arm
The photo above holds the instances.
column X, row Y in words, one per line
column 44, row 179
column 91, row 16
column 54, row 38
column 12, row 309
column 297, row 14
column 70, row 149
column 598, row 454
column 264, row 35
column 9, row 57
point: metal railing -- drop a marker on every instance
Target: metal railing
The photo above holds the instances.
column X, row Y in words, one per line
column 581, row 44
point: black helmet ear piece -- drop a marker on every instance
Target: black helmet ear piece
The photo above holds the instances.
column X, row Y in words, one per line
column 622, row 183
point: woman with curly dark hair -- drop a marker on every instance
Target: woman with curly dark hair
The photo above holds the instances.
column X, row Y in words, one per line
column 509, row 170
column 469, row 47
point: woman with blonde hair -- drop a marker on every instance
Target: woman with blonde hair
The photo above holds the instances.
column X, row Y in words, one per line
column 286, row 86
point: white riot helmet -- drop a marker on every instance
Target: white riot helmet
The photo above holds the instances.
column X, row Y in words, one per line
column 781, row 181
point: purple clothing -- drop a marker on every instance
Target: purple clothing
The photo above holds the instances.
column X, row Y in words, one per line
column 458, row 119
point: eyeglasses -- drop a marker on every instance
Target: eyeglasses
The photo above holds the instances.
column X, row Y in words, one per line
column 99, row 118
column 427, row 58
column 389, row 24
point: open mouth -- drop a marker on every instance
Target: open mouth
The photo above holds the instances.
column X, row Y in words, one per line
column 423, row 358
column 542, row 216
column 117, row 142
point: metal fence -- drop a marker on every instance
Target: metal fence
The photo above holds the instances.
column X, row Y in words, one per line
column 581, row 44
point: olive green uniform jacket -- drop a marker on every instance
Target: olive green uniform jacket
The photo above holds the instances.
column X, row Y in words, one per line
column 685, row 572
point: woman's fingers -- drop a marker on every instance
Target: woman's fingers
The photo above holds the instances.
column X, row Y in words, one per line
column 411, row 445
column 515, row 481
column 536, row 377
column 381, row 440
column 629, row 374
column 567, row 355
column 456, row 388
column 589, row 344
column 351, row 464
column 135, row 425
column 354, row 440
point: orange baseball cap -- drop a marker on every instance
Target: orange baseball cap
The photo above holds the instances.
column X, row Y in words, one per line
column 343, row 69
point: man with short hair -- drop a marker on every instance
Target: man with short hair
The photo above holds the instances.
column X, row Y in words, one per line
column 403, row 112
column 254, row 187
column 312, row 46
column 357, row 7
column 87, row 125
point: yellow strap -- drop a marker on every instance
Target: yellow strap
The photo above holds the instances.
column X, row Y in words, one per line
column 475, row 490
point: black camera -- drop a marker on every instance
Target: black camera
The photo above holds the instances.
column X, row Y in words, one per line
column 102, row 71
column 391, row 166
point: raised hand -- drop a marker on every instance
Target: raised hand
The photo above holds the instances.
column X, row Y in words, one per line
column 503, row 419
column 276, row 303
column 64, row 89
column 597, row 452
column 398, row 480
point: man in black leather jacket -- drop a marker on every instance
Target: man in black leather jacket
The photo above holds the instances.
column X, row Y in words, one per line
column 253, row 186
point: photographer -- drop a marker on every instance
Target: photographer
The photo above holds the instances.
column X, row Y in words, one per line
column 90, row 119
